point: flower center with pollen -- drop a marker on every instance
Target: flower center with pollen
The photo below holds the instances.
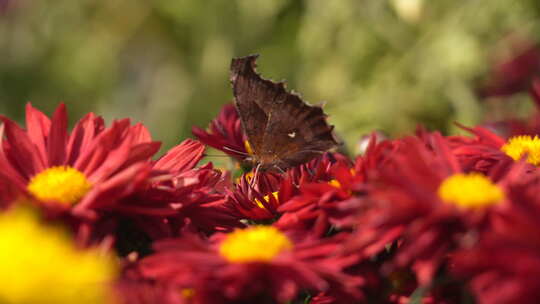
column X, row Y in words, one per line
column 254, row 244
column 470, row 191
column 516, row 147
column 267, row 199
column 62, row 184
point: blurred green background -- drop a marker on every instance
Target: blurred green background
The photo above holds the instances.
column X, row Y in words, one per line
column 378, row 64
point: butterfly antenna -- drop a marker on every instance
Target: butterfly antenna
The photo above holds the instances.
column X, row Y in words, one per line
column 215, row 155
column 255, row 176
column 235, row 151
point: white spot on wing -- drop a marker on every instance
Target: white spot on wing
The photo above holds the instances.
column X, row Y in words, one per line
column 292, row 134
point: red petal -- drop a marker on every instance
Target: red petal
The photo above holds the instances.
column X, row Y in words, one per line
column 141, row 132
column 38, row 126
column 114, row 159
column 7, row 169
column 56, row 145
column 93, row 157
column 141, row 152
column 181, row 158
column 82, row 136
column 22, row 152
column 120, row 185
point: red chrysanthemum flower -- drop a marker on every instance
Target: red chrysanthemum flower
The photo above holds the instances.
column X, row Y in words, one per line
column 76, row 176
column 225, row 133
column 480, row 153
column 491, row 154
column 257, row 198
column 316, row 170
column 529, row 126
column 333, row 199
column 258, row 264
column 424, row 199
column 504, row 266
column 318, row 203
column 504, row 140
column 77, row 173
column 515, row 74
column 177, row 194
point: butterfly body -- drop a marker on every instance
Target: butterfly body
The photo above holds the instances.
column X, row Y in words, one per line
column 282, row 130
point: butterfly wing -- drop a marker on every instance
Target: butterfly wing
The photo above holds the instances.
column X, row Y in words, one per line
column 247, row 98
column 292, row 131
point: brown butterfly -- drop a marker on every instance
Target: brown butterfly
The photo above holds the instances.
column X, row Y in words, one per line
column 282, row 130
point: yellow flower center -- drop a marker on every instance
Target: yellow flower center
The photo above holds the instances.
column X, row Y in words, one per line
column 266, row 199
column 516, row 147
column 470, row 191
column 62, row 184
column 249, row 150
column 254, row 244
column 335, row 183
column 40, row 264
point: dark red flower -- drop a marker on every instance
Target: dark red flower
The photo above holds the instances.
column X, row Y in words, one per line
column 515, row 74
column 513, row 126
column 424, row 200
column 257, row 198
column 257, row 264
column 317, row 205
column 317, row 169
column 504, row 265
column 225, row 133
column 179, row 194
column 492, row 154
column 78, row 172
column 528, row 126
column 334, row 197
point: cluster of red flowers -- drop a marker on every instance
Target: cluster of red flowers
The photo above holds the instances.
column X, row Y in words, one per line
column 426, row 218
